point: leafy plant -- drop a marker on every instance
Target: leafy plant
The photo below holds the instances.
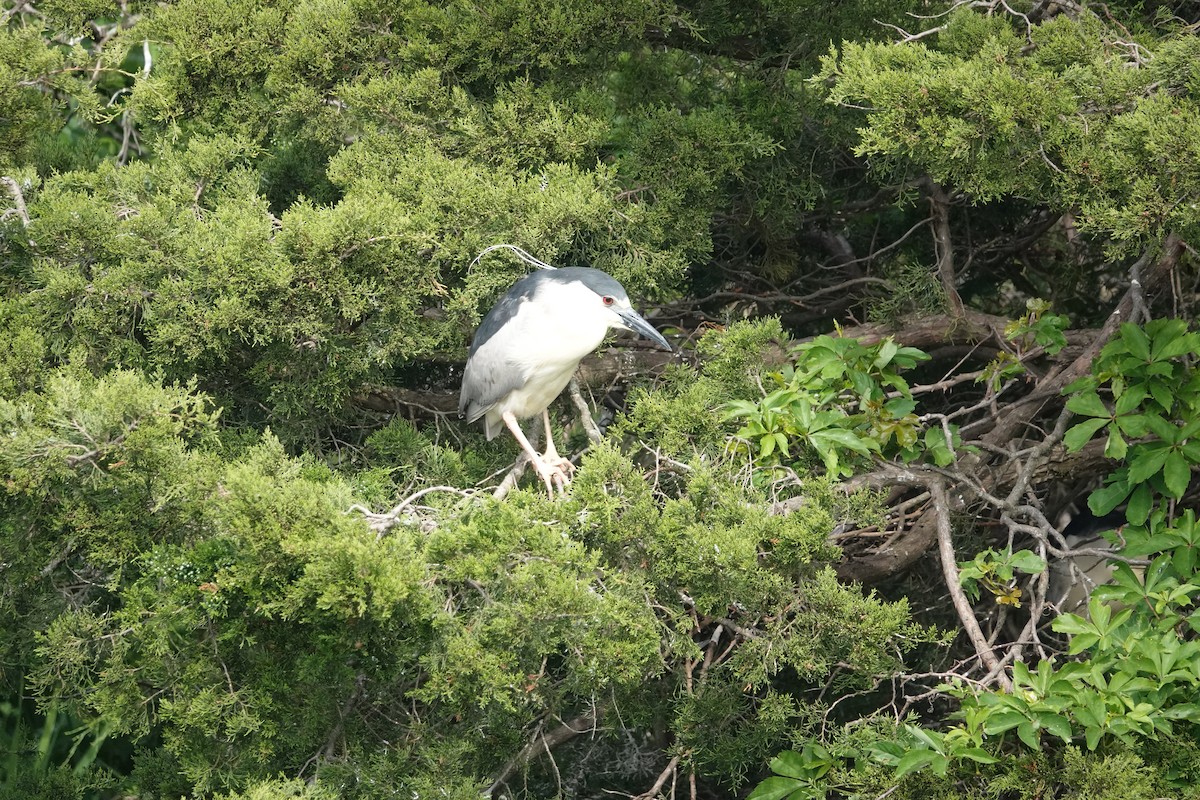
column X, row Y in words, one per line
column 1036, row 330
column 1144, row 386
column 842, row 401
column 996, row 572
column 1136, row 669
column 798, row 775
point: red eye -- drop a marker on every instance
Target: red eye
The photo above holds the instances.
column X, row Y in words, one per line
column 607, row 300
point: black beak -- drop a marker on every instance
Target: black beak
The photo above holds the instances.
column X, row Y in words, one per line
column 637, row 324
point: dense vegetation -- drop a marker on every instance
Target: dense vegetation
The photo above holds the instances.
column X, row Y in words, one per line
column 931, row 270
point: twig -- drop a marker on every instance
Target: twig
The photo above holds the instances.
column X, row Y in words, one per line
column 652, row 792
column 941, row 507
column 510, row 480
column 943, row 244
column 14, row 191
column 545, row 742
column 585, row 413
column 1138, row 312
column 382, row 523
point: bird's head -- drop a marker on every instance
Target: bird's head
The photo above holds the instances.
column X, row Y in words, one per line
column 602, row 296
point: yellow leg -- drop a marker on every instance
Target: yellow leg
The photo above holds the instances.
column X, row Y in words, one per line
column 552, row 456
column 551, row 473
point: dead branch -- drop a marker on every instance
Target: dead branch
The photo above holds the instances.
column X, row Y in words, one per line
column 966, row 615
column 996, row 435
column 543, row 742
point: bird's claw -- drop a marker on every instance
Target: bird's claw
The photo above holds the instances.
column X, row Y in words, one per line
column 555, row 474
column 563, row 465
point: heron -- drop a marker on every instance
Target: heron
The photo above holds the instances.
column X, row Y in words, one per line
column 530, row 344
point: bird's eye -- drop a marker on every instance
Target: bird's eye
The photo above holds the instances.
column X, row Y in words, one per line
column 608, row 300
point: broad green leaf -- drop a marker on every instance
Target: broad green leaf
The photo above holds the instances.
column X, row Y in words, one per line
column 1056, row 724
column 1148, row 461
column 1188, row 711
column 847, row 439
column 1028, row 562
column 766, row 446
column 1072, row 624
column 1021, row 674
column 1082, row 641
column 1002, row 721
column 887, row 752
column 931, row 739
column 914, row 760
column 911, row 355
column 1139, row 504
column 1102, row 501
column 887, row 351
column 1163, row 396
column 1082, row 433
column 1172, row 342
column 1136, row 341
column 791, row 764
column 738, row 408
column 1162, row 428
column 1088, row 404
column 1177, row 473
column 1132, row 425
column 1029, row 735
column 1116, row 447
column 1129, row 400
column 775, row 789
column 978, row 754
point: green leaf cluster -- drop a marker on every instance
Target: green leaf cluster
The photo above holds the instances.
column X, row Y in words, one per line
column 1036, row 331
column 834, row 402
column 229, row 614
column 997, row 571
column 1149, row 378
column 1057, row 111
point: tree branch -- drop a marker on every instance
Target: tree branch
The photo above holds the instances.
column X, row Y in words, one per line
column 943, row 245
column 941, row 511
column 544, row 743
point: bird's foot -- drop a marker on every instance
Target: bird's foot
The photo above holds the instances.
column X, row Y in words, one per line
column 555, row 473
column 561, row 464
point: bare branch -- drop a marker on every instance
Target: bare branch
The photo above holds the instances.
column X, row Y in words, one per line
column 943, row 243
column 543, row 742
column 941, row 510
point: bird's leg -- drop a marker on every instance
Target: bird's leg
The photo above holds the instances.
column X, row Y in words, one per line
column 552, row 474
column 552, row 457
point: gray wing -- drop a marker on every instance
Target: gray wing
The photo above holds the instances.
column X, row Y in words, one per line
column 490, row 376
column 486, row 382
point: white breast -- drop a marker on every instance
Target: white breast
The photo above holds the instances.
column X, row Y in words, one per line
column 555, row 331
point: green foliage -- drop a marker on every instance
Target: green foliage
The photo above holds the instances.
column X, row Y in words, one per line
column 1135, row 677
column 1150, row 379
column 281, row 790
column 678, row 414
column 798, row 775
column 233, row 610
column 997, row 572
column 986, row 97
column 913, row 290
column 267, row 208
column 45, row 756
column 1036, row 331
column 810, row 405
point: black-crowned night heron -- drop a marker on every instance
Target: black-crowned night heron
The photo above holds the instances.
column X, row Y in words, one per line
column 529, row 345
